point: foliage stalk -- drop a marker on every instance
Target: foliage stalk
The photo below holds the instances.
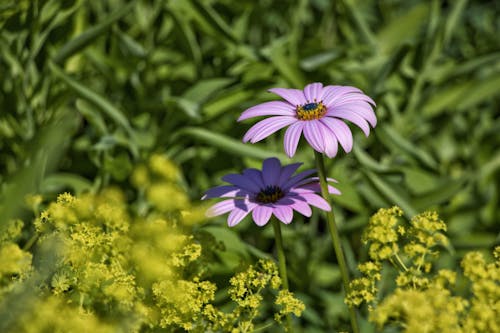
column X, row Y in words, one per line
column 334, row 234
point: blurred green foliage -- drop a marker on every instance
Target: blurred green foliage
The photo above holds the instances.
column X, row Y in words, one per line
column 90, row 88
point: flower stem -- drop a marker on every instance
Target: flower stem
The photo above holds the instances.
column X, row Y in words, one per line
column 282, row 264
column 334, row 233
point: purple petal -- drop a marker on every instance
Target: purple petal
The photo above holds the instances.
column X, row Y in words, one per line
column 313, row 92
column 243, row 182
column 266, row 127
column 316, row 187
column 302, row 207
column 293, row 96
column 238, row 214
column 341, row 131
column 271, row 169
column 331, row 93
column 312, row 133
column 261, row 215
column 316, row 201
column 220, row 208
column 354, row 97
column 255, row 175
column 352, row 117
column 221, row 192
column 292, row 137
column 284, row 214
column 287, row 171
column 331, row 143
column 297, row 178
column 361, row 109
column 275, row 108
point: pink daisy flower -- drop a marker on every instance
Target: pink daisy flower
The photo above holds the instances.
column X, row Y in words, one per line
column 274, row 190
column 318, row 112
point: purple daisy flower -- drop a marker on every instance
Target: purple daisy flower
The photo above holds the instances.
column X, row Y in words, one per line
column 319, row 112
column 274, row 190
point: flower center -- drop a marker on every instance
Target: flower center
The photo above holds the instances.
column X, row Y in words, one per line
column 270, row 194
column 311, row 111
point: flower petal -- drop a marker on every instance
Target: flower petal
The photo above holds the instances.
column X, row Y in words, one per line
column 316, row 187
column 220, row 208
column 293, row 96
column 292, row 137
column 353, row 97
column 297, row 178
column 221, row 192
column 313, row 92
column 274, row 108
column 271, row 169
column 312, row 133
column 241, row 181
column 283, row 213
column 261, row 215
column 331, row 93
column 331, row 144
column 255, row 175
column 316, row 201
column 266, row 127
column 362, row 109
column 341, row 131
column 352, row 117
column 239, row 214
column 287, row 171
column 302, row 207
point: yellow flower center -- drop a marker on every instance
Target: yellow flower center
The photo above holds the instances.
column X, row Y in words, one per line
column 311, row 111
column 270, row 194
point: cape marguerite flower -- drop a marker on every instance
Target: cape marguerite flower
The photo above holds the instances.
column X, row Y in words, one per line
column 274, row 190
column 319, row 112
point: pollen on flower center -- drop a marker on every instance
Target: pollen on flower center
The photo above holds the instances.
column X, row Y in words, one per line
column 270, row 194
column 311, row 111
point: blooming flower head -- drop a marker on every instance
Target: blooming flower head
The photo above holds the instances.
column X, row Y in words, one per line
column 317, row 111
column 274, row 190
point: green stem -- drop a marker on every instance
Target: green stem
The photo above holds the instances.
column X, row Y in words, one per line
column 334, row 233
column 282, row 265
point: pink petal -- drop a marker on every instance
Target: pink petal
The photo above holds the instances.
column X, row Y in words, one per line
column 275, row 108
column 220, row 208
column 241, row 181
column 292, row 96
column 261, row 215
column 316, row 201
column 331, row 143
column 238, row 214
column 354, row 97
column 302, row 207
column 292, row 137
column 331, row 93
column 287, row 171
column 361, row 109
column 271, row 169
column 352, row 117
column 266, row 127
column 341, row 131
column 313, row 92
column 312, row 133
column 284, row 214
column 316, row 187
column 221, row 192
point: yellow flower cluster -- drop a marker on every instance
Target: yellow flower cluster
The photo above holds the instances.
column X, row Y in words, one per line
column 109, row 265
column 423, row 300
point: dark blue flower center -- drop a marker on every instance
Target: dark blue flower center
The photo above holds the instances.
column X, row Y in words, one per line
column 310, row 106
column 270, row 194
column 311, row 111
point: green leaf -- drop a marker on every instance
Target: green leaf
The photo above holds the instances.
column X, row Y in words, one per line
column 403, row 28
column 228, row 144
column 88, row 37
column 59, row 181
